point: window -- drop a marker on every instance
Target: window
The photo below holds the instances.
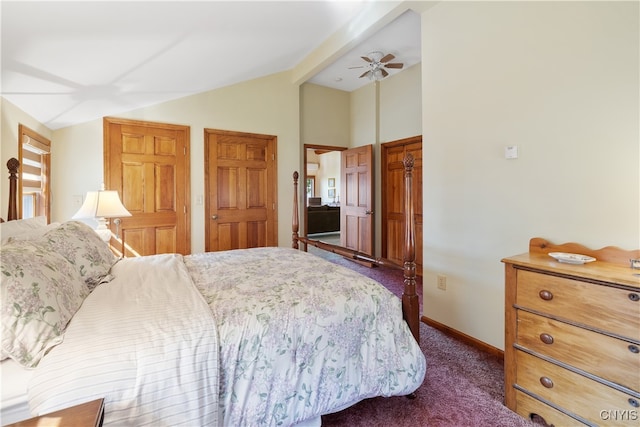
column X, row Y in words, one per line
column 311, row 186
column 29, row 205
column 34, row 153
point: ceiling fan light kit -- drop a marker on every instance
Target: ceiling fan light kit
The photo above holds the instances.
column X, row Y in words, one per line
column 376, row 64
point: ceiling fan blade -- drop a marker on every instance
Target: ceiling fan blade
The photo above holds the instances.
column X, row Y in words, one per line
column 394, row 65
column 364, row 74
column 361, row 66
column 366, row 59
column 388, row 57
column 384, row 72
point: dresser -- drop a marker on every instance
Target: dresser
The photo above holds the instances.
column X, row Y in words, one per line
column 572, row 336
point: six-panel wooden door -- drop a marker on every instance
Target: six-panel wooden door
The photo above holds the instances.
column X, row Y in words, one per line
column 148, row 164
column 240, row 183
column 356, row 206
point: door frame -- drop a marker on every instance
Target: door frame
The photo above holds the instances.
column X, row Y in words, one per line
column 306, row 147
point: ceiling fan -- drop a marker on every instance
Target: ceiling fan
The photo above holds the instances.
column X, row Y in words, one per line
column 376, row 64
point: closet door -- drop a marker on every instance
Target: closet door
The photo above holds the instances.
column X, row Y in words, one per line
column 241, row 188
column 148, row 164
column 393, row 154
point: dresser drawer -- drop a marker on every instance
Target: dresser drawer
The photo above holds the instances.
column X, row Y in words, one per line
column 590, row 399
column 602, row 307
column 581, row 348
column 528, row 407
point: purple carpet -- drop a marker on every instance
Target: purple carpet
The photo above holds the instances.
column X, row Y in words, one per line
column 463, row 385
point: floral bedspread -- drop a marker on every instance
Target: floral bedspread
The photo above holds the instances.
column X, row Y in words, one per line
column 300, row 336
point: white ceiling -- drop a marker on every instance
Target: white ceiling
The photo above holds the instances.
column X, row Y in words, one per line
column 70, row 62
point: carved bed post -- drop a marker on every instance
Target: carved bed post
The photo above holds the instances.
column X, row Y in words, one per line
column 410, row 302
column 13, row 164
column 295, row 223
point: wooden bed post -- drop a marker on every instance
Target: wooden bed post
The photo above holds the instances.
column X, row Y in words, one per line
column 13, row 164
column 410, row 302
column 295, row 223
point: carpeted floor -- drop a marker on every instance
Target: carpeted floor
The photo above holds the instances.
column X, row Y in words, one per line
column 463, row 385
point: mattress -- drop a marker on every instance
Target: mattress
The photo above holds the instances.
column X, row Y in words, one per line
column 13, row 404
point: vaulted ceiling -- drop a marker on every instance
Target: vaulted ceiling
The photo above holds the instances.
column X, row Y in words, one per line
column 70, row 62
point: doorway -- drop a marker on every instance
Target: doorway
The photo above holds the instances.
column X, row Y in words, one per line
column 322, row 192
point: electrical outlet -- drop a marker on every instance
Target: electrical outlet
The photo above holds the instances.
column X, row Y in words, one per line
column 442, row 282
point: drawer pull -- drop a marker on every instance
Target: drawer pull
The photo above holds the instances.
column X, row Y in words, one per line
column 546, row 338
column 546, row 381
column 547, row 296
column 633, row 402
column 633, row 349
column 634, row 297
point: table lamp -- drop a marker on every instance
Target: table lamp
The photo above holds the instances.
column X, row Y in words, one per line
column 102, row 205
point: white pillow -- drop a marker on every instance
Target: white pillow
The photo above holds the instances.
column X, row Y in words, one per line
column 33, row 234
column 20, row 226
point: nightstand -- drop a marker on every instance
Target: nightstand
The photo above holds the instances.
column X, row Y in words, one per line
column 89, row 414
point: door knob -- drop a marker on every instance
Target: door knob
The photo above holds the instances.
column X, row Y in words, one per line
column 369, row 212
column 214, row 217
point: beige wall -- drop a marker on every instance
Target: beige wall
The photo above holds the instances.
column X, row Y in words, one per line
column 324, row 116
column 267, row 106
column 401, row 105
column 363, row 113
column 560, row 81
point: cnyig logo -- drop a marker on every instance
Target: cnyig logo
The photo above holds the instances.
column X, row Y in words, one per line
column 619, row 415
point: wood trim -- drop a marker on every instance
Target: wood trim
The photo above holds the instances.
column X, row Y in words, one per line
column 467, row 339
column 45, row 145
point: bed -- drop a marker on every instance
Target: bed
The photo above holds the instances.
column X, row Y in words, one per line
column 262, row 336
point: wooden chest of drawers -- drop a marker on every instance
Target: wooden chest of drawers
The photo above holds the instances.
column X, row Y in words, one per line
column 572, row 336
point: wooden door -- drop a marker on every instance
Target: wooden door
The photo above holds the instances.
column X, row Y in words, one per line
column 148, row 164
column 393, row 236
column 241, row 188
column 356, row 206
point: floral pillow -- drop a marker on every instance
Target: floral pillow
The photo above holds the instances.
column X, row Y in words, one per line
column 41, row 291
column 82, row 247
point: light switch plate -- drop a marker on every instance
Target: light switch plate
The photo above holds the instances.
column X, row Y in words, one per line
column 511, row 152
